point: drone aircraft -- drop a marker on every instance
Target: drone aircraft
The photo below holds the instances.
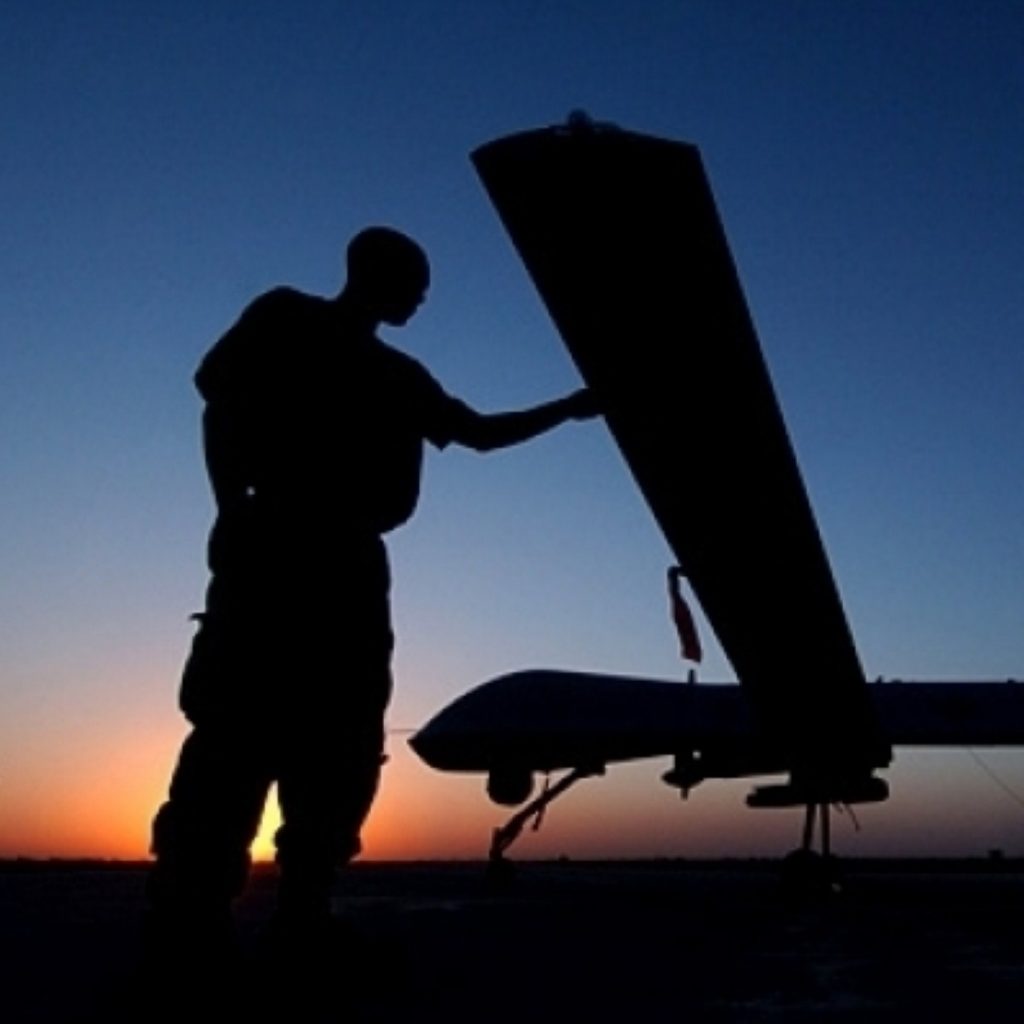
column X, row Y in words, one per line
column 621, row 236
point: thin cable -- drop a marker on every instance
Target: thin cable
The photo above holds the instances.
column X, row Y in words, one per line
column 1012, row 794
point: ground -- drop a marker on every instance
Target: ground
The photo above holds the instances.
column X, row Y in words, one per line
column 568, row 942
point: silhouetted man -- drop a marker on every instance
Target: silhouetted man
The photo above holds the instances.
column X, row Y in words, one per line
column 313, row 432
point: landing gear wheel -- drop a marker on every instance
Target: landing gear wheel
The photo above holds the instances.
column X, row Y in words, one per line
column 807, row 873
column 499, row 874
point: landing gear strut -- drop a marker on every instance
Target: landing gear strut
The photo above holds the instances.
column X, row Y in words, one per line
column 806, row 870
column 498, row 868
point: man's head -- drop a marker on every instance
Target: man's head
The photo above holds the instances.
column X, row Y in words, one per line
column 388, row 274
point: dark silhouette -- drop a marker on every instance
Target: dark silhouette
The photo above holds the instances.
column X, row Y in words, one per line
column 621, row 235
column 313, row 433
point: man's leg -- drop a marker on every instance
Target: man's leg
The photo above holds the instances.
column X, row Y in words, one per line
column 333, row 741
column 326, row 787
column 202, row 834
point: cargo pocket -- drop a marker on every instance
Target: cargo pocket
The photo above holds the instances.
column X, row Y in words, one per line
column 207, row 680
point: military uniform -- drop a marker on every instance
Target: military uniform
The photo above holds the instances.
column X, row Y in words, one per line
column 314, row 437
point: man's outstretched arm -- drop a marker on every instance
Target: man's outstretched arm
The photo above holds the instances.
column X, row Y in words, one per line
column 484, row 432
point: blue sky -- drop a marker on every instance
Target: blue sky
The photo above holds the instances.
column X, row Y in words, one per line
column 164, row 163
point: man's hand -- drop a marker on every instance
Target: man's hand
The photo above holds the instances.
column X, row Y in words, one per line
column 581, row 405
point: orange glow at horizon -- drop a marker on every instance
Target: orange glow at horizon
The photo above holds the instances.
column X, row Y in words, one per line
column 419, row 814
column 629, row 813
column 93, row 793
column 95, row 798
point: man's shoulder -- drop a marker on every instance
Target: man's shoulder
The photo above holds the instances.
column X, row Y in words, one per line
column 283, row 301
column 387, row 353
column 253, row 351
column 422, row 396
column 401, row 364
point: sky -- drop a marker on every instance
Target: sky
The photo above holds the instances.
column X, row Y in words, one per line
column 164, row 163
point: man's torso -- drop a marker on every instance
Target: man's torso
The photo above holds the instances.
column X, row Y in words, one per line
column 333, row 426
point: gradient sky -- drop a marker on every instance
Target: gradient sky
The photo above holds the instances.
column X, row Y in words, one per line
column 162, row 163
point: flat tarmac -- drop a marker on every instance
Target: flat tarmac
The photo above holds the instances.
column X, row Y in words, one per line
column 566, row 941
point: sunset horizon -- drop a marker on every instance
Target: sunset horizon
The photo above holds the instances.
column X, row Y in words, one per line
column 168, row 164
